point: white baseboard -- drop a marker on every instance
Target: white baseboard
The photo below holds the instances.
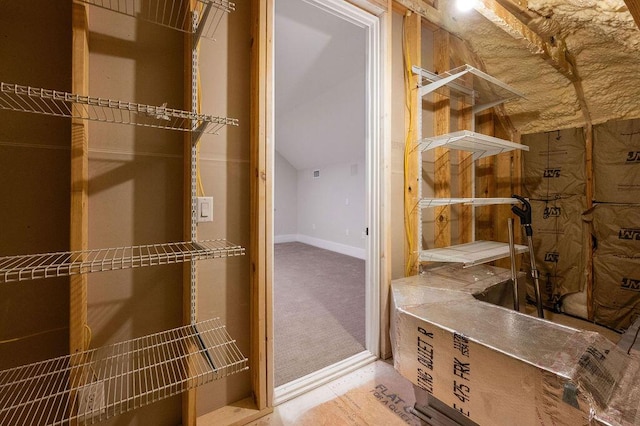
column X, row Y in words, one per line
column 356, row 252
column 330, row 245
column 316, row 379
column 288, row 238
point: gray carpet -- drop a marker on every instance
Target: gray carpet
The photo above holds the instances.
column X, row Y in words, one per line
column 319, row 309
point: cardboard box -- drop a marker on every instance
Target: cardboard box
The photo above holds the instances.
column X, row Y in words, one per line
column 616, row 229
column 616, row 161
column 558, row 233
column 616, row 290
column 500, row 367
column 554, row 164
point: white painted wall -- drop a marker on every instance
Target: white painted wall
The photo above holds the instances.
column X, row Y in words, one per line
column 285, row 195
column 327, row 212
column 331, row 208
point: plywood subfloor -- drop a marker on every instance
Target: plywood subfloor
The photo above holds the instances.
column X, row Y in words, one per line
column 373, row 395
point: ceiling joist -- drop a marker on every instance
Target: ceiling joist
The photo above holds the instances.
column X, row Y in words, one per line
column 554, row 54
column 422, row 8
column 634, row 8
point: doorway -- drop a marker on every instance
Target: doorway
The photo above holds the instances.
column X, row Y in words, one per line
column 326, row 192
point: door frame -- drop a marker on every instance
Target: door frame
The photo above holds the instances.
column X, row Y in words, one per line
column 377, row 186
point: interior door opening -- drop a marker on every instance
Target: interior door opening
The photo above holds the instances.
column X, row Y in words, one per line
column 325, row 312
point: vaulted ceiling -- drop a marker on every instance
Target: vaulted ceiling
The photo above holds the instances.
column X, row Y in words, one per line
column 575, row 60
column 319, row 86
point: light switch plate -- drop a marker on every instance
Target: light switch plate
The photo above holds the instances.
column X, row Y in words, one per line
column 204, row 213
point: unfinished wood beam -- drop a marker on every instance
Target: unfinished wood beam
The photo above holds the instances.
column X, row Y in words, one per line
column 79, row 228
column 587, row 235
column 442, row 125
column 261, row 166
column 465, row 177
column 634, row 9
column 508, row 178
column 413, row 240
column 485, row 181
column 427, row 10
column 79, row 214
column 555, row 54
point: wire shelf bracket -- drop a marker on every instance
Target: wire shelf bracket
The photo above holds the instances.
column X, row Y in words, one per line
column 19, row 98
column 98, row 384
column 37, row 266
column 201, row 21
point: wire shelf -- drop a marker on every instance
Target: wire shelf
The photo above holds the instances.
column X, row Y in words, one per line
column 478, row 144
column 471, row 254
column 36, row 266
column 177, row 14
column 437, row 202
column 100, row 383
column 62, row 104
column 478, row 88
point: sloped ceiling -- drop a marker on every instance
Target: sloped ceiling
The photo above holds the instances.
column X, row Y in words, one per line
column 600, row 35
column 319, row 86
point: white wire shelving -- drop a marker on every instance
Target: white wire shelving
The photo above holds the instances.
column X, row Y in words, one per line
column 439, row 202
column 100, row 383
column 465, row 140
column 478, row 88
column 201, row 20
column 19, row 98
column 470, row 254
column 36, row 266
column 480, row 91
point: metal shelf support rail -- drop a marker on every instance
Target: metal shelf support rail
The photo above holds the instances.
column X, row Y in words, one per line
column 36, row 266
column 202, row 21
column 100, row 383
column 63, row 104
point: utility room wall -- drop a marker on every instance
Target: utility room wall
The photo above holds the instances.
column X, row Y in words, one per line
column 35, row 47
column 136, row 186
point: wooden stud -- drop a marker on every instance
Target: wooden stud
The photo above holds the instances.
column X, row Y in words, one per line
column 485, row 182
column 79, row 230
column 261, row 244
column 442, row 125
column 634, row 9
column 589, row 192
column 413, row 239
column 466, row 184
column 588, row 243
column 508, row 176
column 79, row 226
column 385, row 240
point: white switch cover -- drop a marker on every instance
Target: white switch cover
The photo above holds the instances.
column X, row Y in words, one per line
column 205, row 209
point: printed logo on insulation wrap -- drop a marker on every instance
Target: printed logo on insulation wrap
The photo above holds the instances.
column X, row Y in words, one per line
column 551, row 212
column 552, row 256
column 630, row 284
column 629, row 234
column 552, row 172
column 633, row 157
